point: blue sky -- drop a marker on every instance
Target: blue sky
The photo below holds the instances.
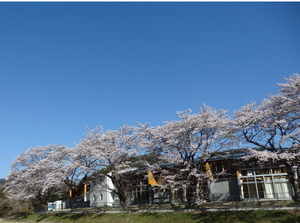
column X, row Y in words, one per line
column 64, row 66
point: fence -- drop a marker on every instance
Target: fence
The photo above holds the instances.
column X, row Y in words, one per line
column 167, row 203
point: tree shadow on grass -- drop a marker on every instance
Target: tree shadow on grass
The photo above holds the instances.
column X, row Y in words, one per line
column 63, row 216
column 246, row 217
column 42, row 217
column 73, row 217
column 150, row 214
column 271, row 216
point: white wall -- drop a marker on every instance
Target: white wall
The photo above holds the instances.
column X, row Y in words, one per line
column 100, row 195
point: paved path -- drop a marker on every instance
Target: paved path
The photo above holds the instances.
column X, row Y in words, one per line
column 2, row 220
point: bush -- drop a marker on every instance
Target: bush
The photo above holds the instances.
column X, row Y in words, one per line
column 13, row 207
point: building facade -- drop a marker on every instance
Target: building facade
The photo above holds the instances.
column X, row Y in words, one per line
column 229, row 179
column 101, row 193
column 246, row 180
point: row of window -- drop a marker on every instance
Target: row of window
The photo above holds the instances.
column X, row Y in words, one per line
column 101, row 197
column 271, row 182
column 263, row 171
column 266, row 190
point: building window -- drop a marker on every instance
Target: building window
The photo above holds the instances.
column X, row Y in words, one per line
column 101, row 197
column 265, row 183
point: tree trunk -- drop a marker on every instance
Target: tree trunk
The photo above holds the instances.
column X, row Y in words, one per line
column 294, row 179
column 190, row 195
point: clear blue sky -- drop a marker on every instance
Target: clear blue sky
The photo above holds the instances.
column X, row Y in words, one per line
column 64, row 66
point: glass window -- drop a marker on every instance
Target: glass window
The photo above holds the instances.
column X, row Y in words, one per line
column 245, row 190
column 265, row 171
column 219, row 167
column 283, row 169
column 261, row 190
column 282, row 189
column 252, row 191
column 258, row 172
column 269, row 188
column 243, row 172
column 249, row 190
column 276, row 170
column 249, row 173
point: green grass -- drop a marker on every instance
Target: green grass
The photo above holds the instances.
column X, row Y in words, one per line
column 176, row 217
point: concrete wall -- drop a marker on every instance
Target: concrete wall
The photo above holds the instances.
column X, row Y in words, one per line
column 224, row 190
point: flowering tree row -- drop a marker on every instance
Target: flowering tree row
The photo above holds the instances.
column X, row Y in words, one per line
column 185, row 144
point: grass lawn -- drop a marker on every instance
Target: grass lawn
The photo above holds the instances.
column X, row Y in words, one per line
column 179, row 217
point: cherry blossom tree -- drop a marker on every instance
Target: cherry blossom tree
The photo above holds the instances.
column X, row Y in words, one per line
column 272, row 126
column 36, row 174
column 109, row 154
column 186, row 145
